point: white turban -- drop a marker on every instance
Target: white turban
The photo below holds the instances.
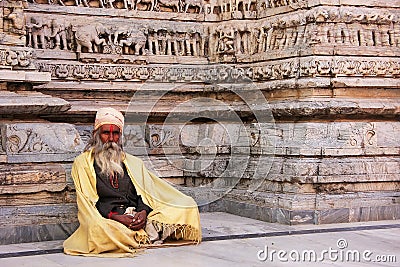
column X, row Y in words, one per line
column 109, row 116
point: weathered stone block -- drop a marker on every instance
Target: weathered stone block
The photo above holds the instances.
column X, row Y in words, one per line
column 12, row 234
column 353, row 200
column 374, row 213
column 40, row 198
column 38, row 214
column 24, row 178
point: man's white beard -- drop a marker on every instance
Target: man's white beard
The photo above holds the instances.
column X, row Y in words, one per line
column 109, row 157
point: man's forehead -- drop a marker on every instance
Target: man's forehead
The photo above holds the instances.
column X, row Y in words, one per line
column 109, row 127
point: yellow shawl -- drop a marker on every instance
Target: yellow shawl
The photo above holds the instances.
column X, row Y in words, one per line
column 97, row 236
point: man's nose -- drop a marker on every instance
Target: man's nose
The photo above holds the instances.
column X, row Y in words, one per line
column 111, row 137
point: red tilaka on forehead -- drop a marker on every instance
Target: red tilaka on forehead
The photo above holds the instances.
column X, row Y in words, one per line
column 111, row 128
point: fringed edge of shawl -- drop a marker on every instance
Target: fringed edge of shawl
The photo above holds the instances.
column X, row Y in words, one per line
column 183, row 231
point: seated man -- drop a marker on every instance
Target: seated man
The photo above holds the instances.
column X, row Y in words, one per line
column 122, row 207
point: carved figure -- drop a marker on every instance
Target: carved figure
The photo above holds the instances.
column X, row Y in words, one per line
column 34, row 1
column 37, row 31
column 77, row 2
column 196, row 4
column 150, row 4
column 24, row 58
column 174, row 4
column 226, row 40
column 18, row 19
column 12, row 58
column 223, row 4
column 59, row 33
column 108, row 3
column 162, row 41
column 246, row 4
column 242, row 38
column 135, row 38
column 88, row 34
column 209, row 8
column 129, row 4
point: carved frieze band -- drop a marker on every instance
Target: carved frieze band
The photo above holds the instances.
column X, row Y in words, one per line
column 342, row 27
column 183, row 6
column 114, row 36
column 285, row 69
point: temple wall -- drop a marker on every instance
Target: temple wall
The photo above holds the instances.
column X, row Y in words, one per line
column 288, row 109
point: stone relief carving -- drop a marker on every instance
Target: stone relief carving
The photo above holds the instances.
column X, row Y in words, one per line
column 85, row 134
column 17, row 18
column 89, row 36
column 317, row 26
column 2, row 139
column 12, row 29
column 116, row 38
column 280, row 3
column 24, row 140
column 37, row 32
column 196, row 6
column 338, row 26
column 222, row 8
column 59, row 34
column 12, row 57
column 214, row 169
column 44, row 33
column 358, row 135
column 158, row 136
column 133, row 137
column 130, row 38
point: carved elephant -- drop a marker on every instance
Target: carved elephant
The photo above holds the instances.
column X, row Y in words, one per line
column 87, row 35
column 136, row 39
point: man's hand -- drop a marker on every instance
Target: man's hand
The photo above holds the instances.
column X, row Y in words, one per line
column 124, row 219
column 135, row 223
column 138, row 221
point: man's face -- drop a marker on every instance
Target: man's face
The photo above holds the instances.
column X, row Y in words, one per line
column 109, row 133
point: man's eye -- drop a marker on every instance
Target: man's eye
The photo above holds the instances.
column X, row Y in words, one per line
column 116, row 133
column 106, row 132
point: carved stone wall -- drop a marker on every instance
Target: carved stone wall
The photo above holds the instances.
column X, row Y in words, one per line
column 322, row 147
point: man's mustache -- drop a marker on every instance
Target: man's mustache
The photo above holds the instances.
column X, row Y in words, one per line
column 110, row 145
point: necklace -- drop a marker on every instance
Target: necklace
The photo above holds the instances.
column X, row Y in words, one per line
column 114, row 180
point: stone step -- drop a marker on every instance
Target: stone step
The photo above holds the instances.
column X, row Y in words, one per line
column 32, row 103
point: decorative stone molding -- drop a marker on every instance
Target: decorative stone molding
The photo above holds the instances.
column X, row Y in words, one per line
column 284, row 69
